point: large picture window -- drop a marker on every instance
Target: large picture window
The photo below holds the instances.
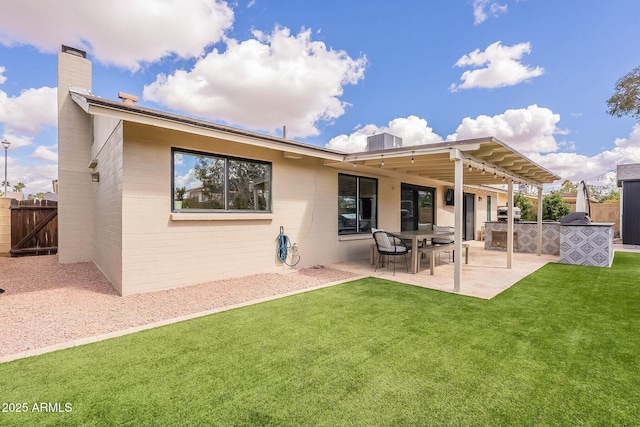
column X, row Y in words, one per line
column 211, row 182
column 357, row 204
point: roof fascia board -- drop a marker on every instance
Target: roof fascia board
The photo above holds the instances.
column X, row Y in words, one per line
column 81, row 101
column 389, row 173
column 167, row 123
column 392, row 154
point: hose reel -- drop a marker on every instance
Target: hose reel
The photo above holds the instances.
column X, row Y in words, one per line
column 286, row 249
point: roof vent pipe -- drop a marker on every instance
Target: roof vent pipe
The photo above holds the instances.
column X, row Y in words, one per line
column 284, row 132
column 127, row 99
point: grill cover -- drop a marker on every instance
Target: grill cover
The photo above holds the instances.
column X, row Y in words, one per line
column 576, row 218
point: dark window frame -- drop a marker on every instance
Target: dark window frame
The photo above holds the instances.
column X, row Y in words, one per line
column 414, row 220
column 357, row 226
column 226, row 184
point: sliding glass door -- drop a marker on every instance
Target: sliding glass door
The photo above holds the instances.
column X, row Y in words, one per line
column 417, row 207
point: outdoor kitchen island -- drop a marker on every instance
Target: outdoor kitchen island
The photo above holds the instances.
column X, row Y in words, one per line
column 525, row 236
column 587, row 244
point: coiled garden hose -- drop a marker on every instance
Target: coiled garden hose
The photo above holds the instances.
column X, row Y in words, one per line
column 283, row 250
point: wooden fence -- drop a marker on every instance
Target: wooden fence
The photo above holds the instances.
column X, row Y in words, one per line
column 34, row 227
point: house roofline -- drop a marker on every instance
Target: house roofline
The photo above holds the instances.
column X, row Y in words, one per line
column 99, row 106
column 488, row 146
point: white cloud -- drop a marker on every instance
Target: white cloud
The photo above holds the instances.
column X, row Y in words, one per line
column 125, row 33
column 17, row 141
column 500, row 64
column 2, row 78
column 413, row 130
column 483, row 8
column 528, row 130
column 264, row 83
column 354, row 142
column 188, row 180
column 576, row 167
column 36, row 178
column 46, row 153
column 30, row 111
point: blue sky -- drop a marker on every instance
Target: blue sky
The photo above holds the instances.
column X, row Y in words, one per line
column 534, row 73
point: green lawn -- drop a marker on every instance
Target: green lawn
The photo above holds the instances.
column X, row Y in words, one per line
column 561, row 347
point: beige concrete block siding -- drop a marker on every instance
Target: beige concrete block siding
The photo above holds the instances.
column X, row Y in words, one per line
column 158, row 252
column 107, row 196
column 5, row 227
column 75, row 194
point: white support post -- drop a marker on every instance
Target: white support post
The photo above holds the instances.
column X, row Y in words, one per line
column 457, row 215
column 510, row 225
column 539, row 221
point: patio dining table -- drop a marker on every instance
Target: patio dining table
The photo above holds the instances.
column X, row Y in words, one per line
column 415, row 236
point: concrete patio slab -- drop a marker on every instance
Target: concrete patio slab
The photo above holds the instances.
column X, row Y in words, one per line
column 485, row 276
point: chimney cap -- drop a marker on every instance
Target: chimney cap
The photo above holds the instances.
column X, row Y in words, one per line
column 74, row 51
column 127, row 99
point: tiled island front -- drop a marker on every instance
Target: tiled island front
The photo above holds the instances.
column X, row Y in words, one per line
column 587, row 244
column 525, row 237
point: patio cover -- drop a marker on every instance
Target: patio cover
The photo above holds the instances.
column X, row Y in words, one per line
column 472, row 162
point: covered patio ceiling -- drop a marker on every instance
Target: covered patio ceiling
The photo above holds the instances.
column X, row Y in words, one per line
column 474, row 161
column 486, row 161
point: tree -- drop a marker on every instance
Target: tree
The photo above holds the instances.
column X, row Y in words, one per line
column 568, row 187
column 180, row 191
column 625, row 101
column 18, row 187
column 612, row 197
column 244, row 181
column 554, row 207
column 525, row 205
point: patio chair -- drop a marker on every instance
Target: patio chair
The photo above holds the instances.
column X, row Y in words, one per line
column 444, row 240
column 392, row 246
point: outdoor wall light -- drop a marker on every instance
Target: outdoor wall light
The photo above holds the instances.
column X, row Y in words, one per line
column 95, row 177
column 483, row 171
column 382, row 160
column 412, row 159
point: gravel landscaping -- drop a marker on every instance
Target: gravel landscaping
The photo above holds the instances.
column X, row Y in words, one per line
column 47, row 303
